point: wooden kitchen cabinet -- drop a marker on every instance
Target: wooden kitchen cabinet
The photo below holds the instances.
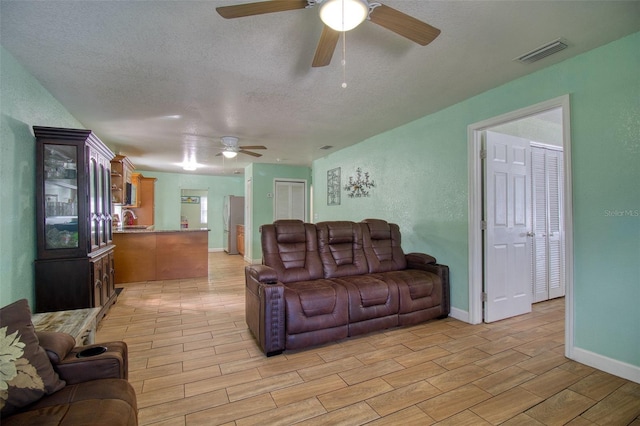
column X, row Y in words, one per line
column 75, row 267
column 121, row 175
column 240, row 239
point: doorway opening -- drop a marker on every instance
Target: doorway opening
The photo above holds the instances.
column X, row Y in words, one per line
column 476, row 207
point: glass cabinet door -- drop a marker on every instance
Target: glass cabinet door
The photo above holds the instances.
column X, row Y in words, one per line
column 106, row 199
column 102, row 229
column 60, row 196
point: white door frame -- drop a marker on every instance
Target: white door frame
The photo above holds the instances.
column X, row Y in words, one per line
column 248, row 220
column 475, row 208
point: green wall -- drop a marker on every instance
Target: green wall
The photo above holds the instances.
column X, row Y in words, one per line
column 25, row 103
column 421, row 184
column 167, row 198
column 262, row 177
column 420, row 170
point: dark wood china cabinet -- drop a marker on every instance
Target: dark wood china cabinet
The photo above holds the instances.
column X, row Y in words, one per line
column 75, row 265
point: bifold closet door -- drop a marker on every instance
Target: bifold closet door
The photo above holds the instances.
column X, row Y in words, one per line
column 290, row 200
column 548, row 241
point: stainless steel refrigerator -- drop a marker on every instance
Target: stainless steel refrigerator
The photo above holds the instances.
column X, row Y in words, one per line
column 232, row 215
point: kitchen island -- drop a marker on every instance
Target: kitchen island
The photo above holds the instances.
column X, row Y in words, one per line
column 153, row 255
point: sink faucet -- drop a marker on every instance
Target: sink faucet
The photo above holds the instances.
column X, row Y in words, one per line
column 130, row 219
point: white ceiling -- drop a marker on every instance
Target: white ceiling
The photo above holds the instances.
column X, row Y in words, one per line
column 158, row 79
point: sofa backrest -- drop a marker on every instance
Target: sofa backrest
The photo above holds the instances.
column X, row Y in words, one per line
column 290, row 247
column 340, row 248
column 381, row 241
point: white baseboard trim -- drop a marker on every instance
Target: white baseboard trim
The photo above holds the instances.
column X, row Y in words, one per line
column 608, row 365
column 214, row 250
column 459, row 314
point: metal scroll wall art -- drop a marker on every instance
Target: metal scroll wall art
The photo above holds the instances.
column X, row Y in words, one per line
column 360, row 186
column 333, row 187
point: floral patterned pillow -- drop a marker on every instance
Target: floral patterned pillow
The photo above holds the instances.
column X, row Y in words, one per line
column 26, row 374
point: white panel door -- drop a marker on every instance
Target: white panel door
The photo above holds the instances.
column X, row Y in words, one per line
column 507, row 276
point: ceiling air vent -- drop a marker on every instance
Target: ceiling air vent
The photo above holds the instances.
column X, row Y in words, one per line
column 542, row 52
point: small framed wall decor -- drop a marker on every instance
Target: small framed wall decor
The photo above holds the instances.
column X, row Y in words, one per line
column 333, row 187
column 190, row 199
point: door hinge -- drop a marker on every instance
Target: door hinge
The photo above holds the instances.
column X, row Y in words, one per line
column 484, row 296
column 483, row 225
column 483, row 153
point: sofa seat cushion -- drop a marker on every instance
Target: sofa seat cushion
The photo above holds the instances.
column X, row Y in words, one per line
column 369, row 296
column 315, row 305
column 98, row 402
column 417, row 289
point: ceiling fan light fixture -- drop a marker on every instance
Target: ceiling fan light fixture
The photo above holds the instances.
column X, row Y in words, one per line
column 229, row 154
column 343, row 15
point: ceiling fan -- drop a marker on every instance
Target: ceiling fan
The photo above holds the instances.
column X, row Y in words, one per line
column 231, row 148
column 339, row 16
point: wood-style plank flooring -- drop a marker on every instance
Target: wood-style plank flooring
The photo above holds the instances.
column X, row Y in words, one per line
column 192, row 361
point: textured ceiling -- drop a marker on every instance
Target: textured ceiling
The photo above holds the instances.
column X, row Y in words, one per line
column 157, row 80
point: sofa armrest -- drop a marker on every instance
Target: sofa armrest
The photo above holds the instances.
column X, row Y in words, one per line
column 417, row 260
column 428, row 263
column 443, row 272
column 262, row 274
column 109, row 362
column 264, row 308
column 56, row 344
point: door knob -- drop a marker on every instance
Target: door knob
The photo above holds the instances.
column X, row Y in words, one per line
column 531, row 234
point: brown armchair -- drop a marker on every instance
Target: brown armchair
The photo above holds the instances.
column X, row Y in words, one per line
column 96, row 391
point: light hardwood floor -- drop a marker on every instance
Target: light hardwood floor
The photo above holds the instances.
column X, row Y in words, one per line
column 194, row 362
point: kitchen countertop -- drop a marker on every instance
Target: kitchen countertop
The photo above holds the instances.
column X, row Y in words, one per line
column 151, row 229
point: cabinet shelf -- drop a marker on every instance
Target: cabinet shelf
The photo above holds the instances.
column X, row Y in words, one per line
column 121, row 175
column 64, row 183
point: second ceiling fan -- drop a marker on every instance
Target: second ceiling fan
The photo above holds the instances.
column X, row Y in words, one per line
column 347, row 13
column 230, row 148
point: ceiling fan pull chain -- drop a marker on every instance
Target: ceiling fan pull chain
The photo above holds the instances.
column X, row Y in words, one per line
column 344, row 60
column 344, row 52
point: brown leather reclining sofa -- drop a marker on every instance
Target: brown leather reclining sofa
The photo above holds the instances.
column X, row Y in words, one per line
column 324, row 282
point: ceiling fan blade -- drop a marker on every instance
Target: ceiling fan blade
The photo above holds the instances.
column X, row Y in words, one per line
column 252, row 147
column 404, row 25
column 255, row 154
column 260, row 8
column 326, row 47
